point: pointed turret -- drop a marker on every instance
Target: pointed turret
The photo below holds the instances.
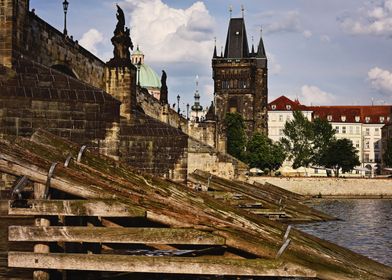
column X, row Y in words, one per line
column 237, row 41
column 260, row 50
column 215, row 55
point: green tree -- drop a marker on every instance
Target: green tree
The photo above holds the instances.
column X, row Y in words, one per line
column 387, row 156
column 324, row 135
column 235, row 131
column 298, row 141
column 306, row 141
column 262, row 153
column 340, row 154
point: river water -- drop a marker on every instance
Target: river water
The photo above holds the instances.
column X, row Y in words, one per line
column 365, row 226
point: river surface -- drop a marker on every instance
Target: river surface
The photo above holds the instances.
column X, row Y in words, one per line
column 366, row 226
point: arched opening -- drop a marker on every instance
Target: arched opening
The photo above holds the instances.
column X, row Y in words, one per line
column 65, row 70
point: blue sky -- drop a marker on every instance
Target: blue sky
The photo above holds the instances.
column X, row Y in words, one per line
column 323, row 52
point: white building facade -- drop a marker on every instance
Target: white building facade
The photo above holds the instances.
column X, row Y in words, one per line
column 360, row 124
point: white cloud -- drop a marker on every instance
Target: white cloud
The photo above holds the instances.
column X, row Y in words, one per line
column 284, row 22
column 381, row 79
column 307, row 34
column 273, row 66
column 315, row 96
column 372, row 20
column 167, row 34
column 325, row 38
column 91, row 39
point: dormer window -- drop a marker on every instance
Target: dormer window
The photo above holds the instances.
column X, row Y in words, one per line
column 288, row 107
column 367, row 119
column 388, row 119
column 382, row 119
column 329, row 118
column 357, row 118
column 316, row 116
column 343, row 118
column 273, row 107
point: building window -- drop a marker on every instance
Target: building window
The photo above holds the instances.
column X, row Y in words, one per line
column 357, row 118
column 287, row 118
column 343, row 118
column 273, row 107
column 225, row 84
column 376, row 145
column 288, row 107
column 366, row 157
column 367, row 144
column 382, row 119
column 316, row 116
column 367, row 131
column 357, row 144
column 329, row 118
column 367, row 119
column 281, row 118
column 357, row 131
column 343, row 129
column 337, row 129
column 377, row 131
column 351, row 129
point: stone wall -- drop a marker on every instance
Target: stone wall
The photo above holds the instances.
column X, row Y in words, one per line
column 205, row 132
column 206, row 158
column 154, row 147
column 153, row 108
column 336, row 187
column 33, row 96
column 24, row 33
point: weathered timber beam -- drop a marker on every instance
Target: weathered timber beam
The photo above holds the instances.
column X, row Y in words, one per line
column 99, row 208
column 144, row 264
column 114, row 235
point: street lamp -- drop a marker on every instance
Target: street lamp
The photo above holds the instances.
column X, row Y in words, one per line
column 178, row 104
column 65, row 8
column 187, row 111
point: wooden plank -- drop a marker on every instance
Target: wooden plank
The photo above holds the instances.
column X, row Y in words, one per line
column 101, row 208
column 172, row 265
column 114, row 235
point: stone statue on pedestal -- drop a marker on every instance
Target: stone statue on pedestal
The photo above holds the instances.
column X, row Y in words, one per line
column 164, row 91
column 121, row 39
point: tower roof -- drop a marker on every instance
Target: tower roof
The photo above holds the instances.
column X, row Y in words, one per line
column 260, row 50
column 237, row 41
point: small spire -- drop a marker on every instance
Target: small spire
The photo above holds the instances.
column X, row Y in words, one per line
column 242, row 11
column 215, row 53
column 260, row 49
column 253, row 47
column 221, row 51
column 137, row 47
column 231, row 10
column 197, row 83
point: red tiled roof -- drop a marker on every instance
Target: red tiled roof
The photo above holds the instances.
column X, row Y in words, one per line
column 349, row 114
column 285, row 104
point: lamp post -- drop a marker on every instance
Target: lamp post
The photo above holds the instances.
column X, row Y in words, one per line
column 178, row 104
column 65, row 8
column 187, row 111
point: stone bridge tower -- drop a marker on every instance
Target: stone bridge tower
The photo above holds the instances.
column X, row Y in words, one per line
column 240, row 82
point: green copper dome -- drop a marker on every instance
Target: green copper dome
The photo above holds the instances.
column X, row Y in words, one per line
column 148, row 77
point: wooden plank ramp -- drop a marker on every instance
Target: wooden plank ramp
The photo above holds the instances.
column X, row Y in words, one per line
column 114, row 235
column 101, row 208
column 144, row 264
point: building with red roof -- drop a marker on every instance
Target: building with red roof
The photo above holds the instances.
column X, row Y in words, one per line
column 361, row 124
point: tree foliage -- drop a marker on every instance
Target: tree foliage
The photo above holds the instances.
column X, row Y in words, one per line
column 236, row 138
column 298, row 140
column 306, row 141
column 262, row 153
column 340, row 154
column 387, row 156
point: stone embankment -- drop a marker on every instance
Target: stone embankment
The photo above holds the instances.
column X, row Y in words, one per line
column 332, row 187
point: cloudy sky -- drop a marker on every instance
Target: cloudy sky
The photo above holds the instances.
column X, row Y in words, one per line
column 323, row 52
